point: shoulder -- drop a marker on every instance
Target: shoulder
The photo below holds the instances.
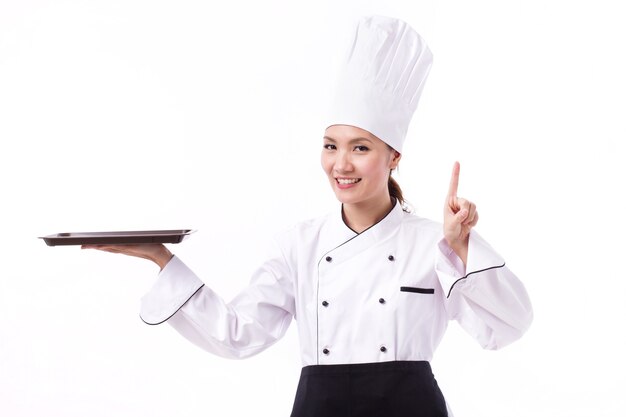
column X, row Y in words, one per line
column 422, row 226
column 414, row 221
column 301, row 230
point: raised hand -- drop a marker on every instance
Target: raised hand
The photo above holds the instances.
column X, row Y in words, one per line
column 459, row 216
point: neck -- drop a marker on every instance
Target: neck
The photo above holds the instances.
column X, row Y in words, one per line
column 364, row 215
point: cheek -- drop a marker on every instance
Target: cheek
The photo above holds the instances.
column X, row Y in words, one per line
column 326, row 163
column 378, row 171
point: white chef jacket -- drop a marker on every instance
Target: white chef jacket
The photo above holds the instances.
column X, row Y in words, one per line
column 385, row 294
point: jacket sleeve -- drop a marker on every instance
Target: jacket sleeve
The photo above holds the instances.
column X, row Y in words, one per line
column 485, row 297
column 254, row 320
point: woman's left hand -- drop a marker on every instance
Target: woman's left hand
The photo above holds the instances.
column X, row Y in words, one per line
column 459, row 216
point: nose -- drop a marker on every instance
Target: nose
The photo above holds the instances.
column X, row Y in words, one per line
column 343, row 162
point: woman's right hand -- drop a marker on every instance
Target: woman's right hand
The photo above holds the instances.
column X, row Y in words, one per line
column 155, row 252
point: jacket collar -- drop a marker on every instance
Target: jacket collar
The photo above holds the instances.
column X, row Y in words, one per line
column 343, row 241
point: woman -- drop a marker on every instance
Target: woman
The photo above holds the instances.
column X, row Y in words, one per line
column 372, row 287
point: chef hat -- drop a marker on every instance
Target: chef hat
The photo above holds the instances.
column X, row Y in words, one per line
column 382, row 79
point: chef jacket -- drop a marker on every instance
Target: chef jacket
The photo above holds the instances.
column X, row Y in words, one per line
column 385, row 294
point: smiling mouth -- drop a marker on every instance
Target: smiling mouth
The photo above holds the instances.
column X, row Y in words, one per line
column 346, row 181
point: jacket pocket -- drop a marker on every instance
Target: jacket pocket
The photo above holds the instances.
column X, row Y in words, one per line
column 418, row 290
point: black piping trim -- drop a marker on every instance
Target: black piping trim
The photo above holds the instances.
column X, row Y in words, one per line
column 418, row 290
column 475, row 272
column 393, row 206
column 353, row 237
column 181, row 306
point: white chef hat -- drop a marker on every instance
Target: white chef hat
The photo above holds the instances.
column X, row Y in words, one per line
column 382, row 79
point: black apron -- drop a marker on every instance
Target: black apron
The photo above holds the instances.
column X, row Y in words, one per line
column 384, row 389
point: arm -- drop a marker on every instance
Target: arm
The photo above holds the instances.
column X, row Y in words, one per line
column 251, row 322
column 482, row 294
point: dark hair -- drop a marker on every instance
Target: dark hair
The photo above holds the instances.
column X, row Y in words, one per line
column 395, row 191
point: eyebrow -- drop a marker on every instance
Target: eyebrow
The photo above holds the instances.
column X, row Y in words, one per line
column 358, row 139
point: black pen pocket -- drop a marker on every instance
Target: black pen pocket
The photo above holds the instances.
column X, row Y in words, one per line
column 418, row 290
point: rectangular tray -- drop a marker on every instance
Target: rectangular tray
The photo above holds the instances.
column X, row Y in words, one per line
column 117, row 238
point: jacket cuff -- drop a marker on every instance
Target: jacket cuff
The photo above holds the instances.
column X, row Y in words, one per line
column 480, row 257
column 449, row 266
column 175, row 285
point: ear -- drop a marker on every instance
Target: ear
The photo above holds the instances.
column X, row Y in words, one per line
column 396, row 156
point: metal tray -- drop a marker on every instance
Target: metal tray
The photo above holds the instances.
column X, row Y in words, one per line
column 117, row 238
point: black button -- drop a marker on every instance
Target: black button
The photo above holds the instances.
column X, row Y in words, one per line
column 325, row 303
column 326, row 351
column 383, row 349
column 329, row 259
column 391, row 258
column 381, row 300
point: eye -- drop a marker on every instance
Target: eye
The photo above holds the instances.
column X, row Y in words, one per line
column 361, row 148
column 329, row 146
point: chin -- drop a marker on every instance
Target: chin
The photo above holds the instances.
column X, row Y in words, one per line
column 343, row 199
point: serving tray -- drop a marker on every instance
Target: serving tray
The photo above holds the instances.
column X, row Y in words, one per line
column 117, row 238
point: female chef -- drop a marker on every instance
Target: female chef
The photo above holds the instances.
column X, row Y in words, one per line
column 371, row 286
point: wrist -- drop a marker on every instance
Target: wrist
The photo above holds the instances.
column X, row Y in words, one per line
column 162, row 257
column 460, row 248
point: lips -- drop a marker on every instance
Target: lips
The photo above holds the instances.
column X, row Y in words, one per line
column 347, row 181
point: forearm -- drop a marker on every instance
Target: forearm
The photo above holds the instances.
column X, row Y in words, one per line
column 487, row 299
column 251, row 322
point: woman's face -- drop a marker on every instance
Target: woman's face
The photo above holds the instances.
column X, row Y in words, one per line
column 357, row 164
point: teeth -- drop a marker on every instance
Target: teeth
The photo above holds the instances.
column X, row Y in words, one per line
column 348, row 180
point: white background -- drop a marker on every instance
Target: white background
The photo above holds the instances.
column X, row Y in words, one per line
column 127, row 115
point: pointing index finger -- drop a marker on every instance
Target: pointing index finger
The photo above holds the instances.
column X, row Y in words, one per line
column 454, row 181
